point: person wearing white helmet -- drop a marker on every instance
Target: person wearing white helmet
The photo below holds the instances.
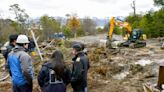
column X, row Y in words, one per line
column 20, row 66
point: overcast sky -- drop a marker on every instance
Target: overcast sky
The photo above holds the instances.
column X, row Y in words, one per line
column 92, row 8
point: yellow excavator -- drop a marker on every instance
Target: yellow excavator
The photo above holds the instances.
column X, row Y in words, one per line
column 134, row 38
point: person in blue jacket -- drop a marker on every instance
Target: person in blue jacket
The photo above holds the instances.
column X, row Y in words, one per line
column 20, row 66
column 54, row 76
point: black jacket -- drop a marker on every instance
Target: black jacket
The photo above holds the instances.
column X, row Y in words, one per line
column 44, row 77
column 8, row 50
column 6, row 53
column 79, row 81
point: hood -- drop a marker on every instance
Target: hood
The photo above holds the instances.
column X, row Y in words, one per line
column 81, row 53
column 48, row 65
column 19, row 48
column 12, row 45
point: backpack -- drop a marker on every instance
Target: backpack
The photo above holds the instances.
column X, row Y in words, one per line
column 53, row 79
column 53, row 84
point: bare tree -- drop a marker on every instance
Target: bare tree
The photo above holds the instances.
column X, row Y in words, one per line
column 20, row 16
column 133, row 5
column 89, row 26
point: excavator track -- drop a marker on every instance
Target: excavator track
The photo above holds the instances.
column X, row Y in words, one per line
column 137, row 45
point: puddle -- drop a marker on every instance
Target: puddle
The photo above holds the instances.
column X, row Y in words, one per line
column 143, row 62
column 160, row 62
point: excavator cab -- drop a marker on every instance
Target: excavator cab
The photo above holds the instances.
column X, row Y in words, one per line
column 136, row 39
column 135, row 35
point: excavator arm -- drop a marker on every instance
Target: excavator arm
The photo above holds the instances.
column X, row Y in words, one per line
column 114, row 23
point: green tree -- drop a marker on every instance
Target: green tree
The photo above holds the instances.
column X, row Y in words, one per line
column 80, row 32
column 50, row 26
column 134, row 20
column 16, row 27
column 6, row 29
column 20, row 16
column 118, row 30
column 67, row 32
column 158, row 22
column 144, row 25
column 159, row 3
column 152, row 23
column 100, row 30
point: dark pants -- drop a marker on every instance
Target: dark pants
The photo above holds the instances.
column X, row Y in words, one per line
column 82, row 90
column 78, row 91
column 23, row 88
column 54, row 88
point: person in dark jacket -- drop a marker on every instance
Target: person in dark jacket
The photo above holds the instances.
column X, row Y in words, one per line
column 20, row 65
column 54, row 76
column 79, row 70
column 31, row 45
column 11, row 45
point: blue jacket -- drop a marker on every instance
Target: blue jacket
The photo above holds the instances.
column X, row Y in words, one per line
column 20, row 66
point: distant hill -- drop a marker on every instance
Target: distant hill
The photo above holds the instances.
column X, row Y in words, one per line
column 98, row 21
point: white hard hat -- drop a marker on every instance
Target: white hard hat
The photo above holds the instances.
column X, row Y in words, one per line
column 22, row 39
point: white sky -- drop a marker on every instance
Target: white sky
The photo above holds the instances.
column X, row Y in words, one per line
column 92, row 8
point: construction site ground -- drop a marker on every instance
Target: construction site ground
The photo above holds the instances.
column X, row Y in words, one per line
column 112, row 70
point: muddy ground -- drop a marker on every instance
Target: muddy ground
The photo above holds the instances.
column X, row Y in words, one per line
column 120, row 70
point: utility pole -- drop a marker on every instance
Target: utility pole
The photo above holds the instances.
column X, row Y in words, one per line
column 35, row 41
column 133, row 5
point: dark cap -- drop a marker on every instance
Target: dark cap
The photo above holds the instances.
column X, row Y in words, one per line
column 81, row 44
column 77, row 47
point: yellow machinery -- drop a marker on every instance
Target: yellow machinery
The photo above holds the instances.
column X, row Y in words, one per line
column 135, row 38
column 113, row 23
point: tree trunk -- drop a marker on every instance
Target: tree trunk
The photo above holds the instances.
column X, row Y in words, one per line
column 75, row 33
column 133, row 5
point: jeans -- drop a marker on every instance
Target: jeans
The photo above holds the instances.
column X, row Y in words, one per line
column 23, row 88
